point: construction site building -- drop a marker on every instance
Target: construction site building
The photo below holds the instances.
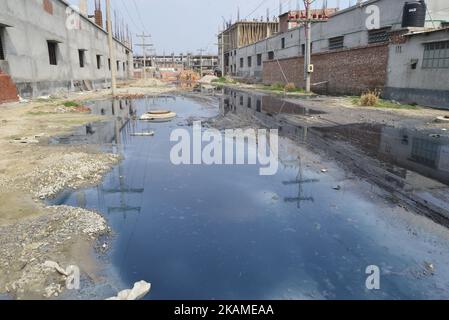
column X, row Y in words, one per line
column 350, row 53
column 48, row 46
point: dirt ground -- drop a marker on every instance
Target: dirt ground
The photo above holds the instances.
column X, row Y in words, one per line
column 31, row 170
column 342, row 110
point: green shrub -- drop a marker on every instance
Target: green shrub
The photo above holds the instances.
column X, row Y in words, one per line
column 277, row 87
column 69, row 104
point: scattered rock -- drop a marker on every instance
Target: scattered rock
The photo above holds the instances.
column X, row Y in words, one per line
column 22, row 100
column 53, row 290
column 72, row 170
column 139, row 291
column 442, row 119
column 29, row 247
column 56, row 266
column 429, row 267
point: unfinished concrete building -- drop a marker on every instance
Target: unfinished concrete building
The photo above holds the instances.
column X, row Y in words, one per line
column 48, row 46
column 207, row 62
column 241, row 34
column 350, row 58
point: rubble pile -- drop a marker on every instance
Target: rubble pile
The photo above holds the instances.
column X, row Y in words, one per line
column 28, row 249
column 72, row 170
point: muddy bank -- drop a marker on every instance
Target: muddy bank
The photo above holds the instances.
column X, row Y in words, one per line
column 56, row 235
column 33, row 170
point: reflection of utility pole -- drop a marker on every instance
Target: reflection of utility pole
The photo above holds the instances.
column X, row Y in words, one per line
column 111, row 49
column 144, row 48
column 299, row 181
column 123, row 208
column 308, row 51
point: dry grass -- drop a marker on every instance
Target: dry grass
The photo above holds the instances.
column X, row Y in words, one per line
column 290, row 87
column 370, row 98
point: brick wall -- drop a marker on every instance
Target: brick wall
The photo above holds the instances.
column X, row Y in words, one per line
column 347, row 71
column 48, row 6
column 8, row 90
column 99, row 18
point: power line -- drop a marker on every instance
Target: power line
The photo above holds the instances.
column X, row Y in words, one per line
column 257, row 8
column 139, row 16
column 144, row 46
column 129, row 15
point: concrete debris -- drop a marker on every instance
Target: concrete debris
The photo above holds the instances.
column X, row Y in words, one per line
column 22, row 100
column 53, row 290
column 158, row 116
column 44, row 98
column 72, row 170
column 29, row 248
column 142, row 83
column 442, row 119
column 207, row 79
column 188, row 75
column 55, row 266
column 139, row 291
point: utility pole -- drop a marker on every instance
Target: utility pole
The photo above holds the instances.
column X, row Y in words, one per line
column 144, row 49
column 111, row 50
column 152, row 57
column 222, row 55
column 201, row 61
column 308, row 51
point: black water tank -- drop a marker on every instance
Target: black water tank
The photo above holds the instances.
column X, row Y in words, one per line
column 414, row 14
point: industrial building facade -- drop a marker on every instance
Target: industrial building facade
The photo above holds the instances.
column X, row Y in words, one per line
column 348, row 57
column 48, row 47
column 418, row 68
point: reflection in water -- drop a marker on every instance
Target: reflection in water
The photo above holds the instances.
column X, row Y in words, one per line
column 103, row 132
column 299, row 181
column 261, row 103
column 425, row 153
column 414, row 151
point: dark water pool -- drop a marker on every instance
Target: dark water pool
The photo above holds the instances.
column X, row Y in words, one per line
column 225, row 232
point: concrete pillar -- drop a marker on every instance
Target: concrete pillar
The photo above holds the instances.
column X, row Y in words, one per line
column 99, row 18
column 83, row 7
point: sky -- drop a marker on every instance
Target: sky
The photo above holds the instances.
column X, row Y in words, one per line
column 182, row 26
